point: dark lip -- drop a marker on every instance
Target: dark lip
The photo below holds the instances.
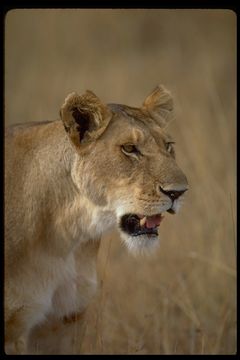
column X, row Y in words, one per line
column 171, row 211
column 130, row 224
column 152, row 232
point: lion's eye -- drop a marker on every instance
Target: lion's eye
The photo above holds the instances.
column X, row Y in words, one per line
column 130, row 149
column 169, row 146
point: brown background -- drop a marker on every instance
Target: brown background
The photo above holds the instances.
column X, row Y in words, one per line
column 183, row 299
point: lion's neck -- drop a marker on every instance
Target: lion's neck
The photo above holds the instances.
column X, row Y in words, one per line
column 78, row 220
column 68, row 218
column 81, row 221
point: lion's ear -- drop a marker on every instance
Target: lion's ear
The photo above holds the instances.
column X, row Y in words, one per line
column 84, row 117
column 159, row 105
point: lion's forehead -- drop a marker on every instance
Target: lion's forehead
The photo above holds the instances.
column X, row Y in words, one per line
column 136, row 127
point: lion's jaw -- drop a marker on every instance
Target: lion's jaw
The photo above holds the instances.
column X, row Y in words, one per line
column 139, row 227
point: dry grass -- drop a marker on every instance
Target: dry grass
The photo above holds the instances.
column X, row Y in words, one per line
column 182, row 300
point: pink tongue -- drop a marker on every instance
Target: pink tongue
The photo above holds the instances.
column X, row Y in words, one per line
column 153, row 221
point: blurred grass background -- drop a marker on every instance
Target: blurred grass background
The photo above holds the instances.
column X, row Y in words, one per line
column 183, row 299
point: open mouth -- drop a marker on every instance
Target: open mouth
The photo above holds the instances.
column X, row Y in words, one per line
column 136, row 225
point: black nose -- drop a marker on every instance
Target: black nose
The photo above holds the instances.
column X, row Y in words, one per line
column 173, row 194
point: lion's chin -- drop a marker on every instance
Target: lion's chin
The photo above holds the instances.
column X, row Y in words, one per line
column 142, row 244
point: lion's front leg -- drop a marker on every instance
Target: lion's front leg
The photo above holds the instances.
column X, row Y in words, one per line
column 58, row 336
column 18, row 326
column 67, row 300
column 64, row 329
column 18, row 347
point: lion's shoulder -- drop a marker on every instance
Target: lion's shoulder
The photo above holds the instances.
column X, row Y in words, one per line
column 18, row 128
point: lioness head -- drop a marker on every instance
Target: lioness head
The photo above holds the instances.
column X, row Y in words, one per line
column 125, row 161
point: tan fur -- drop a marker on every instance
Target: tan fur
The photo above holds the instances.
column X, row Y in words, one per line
column 64, row 188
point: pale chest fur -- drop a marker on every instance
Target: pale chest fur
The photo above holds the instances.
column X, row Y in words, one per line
column 65, row 285
column 77, row 231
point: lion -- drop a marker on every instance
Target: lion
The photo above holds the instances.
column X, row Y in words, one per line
column 69, row 181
